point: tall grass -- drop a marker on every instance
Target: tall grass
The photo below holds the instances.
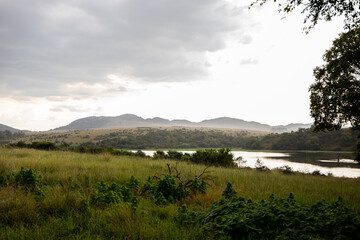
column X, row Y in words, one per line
column 69, row 178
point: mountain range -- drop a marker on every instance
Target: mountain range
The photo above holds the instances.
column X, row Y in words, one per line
column 8, row 128
column 131, row 120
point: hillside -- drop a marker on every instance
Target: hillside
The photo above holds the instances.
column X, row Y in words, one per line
column 8, row 128
column 190, row 137
column 130, row 120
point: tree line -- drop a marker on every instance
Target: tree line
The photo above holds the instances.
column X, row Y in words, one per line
column 303, row 139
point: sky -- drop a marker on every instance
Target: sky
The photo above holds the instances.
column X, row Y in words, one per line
column 189, row 59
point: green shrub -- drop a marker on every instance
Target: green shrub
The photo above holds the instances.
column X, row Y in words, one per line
column 172, row 154
column 229, row 191
column 140, row 153
column 133, row 184
column 43, row 146
column 276, row 218
column 287, row 170
column 159, row 154
column 216, row 157
column 198, row 186
column 29, row 180
column 105, row 195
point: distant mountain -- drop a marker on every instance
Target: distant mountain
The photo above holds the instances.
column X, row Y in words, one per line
column 225, row 122
column 131, row 120
column 11, row 129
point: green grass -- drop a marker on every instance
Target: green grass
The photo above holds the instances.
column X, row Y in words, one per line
column 59, row 214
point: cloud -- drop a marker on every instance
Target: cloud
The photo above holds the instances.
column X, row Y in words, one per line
column 245, row 39
column 71, row 108
column 63, row 44
column 249, row 61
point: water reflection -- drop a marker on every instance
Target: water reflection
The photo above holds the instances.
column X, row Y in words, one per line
column 338, row 165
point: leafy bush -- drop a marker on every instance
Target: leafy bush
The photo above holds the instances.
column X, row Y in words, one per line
column 287, row 170
column 229, row 191
column 105, row 195
column 172, row 154
column 133, row 184
column 216, row 157
column 167, row 190
column 26, row 179
column 159, row 154
column 43, row 146
column 140, row 153
column 276, row 218
column 198, row 186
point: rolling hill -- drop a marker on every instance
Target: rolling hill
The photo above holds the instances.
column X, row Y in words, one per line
column 131, row 120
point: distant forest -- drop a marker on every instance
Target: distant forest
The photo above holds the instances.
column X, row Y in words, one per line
column 304, row 139
column 6, row 136
column 183, row 138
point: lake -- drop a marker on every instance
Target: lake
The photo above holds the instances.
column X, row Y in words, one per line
column 299, row 161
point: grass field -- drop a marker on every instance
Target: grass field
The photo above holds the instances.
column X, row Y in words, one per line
column 69, row 178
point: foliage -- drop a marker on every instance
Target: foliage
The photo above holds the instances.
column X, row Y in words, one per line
column 172, row 154
column 165, row 190
column 327, row 9
column 133, row 184
column 171, row 187
column 25, row 179
column 159, row 154
column 304, row 139
column 286, row 169
column 6, row 136
column 198, row 185
column 105, row 195
column 335, row 95
column 214, row 157
column 276, row 218
column 66, row 212
column 229, row 191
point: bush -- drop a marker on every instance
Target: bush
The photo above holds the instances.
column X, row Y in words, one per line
column 140, row 153
column 166, row 190
column 105, row 195
column 229, row 191
column 172, row 154
column 159, row 154
column 216, row 157
column 43, row 146
column 276, row 218
column 287, row 170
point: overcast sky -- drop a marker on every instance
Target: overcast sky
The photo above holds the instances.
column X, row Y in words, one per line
column 188, row 59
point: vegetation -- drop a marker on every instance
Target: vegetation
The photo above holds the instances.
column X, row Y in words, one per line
column 277, row 218
column 323, row 10
column 335, row 95
column 184, row 138
column 108, row 196
column 6, row 136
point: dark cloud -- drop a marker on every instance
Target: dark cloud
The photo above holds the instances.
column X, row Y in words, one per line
column 54, row 43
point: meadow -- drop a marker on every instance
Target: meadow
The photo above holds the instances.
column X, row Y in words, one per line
column 63, row 207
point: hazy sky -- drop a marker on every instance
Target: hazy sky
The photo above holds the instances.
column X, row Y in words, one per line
column 188, row 59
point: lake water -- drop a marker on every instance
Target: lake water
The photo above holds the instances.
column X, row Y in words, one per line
column 303, row 162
